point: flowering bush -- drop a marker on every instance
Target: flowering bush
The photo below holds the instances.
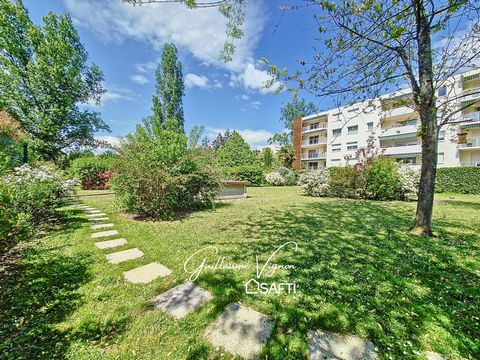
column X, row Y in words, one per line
column 275, row 179
column 410, row 179
column 29, row 197
column 315, row 183
column 92, row 171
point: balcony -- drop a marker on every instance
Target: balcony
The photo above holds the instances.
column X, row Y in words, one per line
column 320, row 141
column 470, row 163
column 472, row 144
column 314, row 156
column 473, row 116
column 403, row 150
column 314, row 127
column 475, row 90
column 399, row 132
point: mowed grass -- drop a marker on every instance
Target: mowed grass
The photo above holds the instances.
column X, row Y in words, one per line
column 358, row 270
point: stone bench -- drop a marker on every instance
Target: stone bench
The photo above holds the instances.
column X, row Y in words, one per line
column 233, row 189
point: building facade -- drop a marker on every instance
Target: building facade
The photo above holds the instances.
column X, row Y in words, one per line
column 332, row 138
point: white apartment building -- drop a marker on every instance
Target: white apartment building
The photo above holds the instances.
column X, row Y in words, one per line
column 331, row 138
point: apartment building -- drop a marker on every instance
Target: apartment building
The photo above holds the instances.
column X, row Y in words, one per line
column 332, row 138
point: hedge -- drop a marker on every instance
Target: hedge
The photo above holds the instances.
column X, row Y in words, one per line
column 463, row 180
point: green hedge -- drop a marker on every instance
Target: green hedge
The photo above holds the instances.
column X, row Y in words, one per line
column 463, row 180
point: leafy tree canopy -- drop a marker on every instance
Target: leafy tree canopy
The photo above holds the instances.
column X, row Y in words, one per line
column 236, row 152
column 44, row 76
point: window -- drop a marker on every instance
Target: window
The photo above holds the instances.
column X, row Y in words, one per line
column 337, row 132
column 313, row 139
column 441, row 157
column 442, row 91
column 352, row 145
column 370, row 126
column 313, row 166
column 336, row 147
column 441, row 136
column 352, row 129
column 353, row 110
column 408, row 160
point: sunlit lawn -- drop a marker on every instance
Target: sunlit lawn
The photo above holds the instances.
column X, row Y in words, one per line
column 358, row 270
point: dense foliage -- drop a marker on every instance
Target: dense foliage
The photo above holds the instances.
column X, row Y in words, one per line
column 253, row 173
column 29, row 197
column 378, row 179
column 464, row 180
column 45, row 77
column 93, row 172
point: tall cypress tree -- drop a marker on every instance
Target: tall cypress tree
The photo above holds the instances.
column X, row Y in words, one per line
column 167, row 102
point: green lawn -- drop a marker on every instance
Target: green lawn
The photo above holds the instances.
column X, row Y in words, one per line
column 358, row 269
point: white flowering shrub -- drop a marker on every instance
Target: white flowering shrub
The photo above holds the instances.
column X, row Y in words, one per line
column 315, row 183
column 29, row 196
column 275, row 179
column 409, row 178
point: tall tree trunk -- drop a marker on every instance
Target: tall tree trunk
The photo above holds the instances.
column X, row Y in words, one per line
column 429, row 126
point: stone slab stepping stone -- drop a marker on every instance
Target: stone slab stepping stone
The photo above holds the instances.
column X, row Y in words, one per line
column 340, row 347
column 99, row 219
column 147, row 273
column 431, row 355
column 182, row 299
column 101, row 226
column 240, row 331
column 121, row 256
column 96, row 215
column 93, row 211
column 104, row 234
column 110, row 243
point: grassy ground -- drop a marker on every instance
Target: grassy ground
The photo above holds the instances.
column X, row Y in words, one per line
column 358, row 270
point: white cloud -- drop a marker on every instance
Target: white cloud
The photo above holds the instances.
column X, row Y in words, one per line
column 114, row 94
column 192, row 80
column 255, row 138
column 146, row 67
column 139, row 79
column 201, row 32
column 255, row 104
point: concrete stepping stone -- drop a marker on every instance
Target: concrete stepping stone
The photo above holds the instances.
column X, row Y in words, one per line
column 93, row 211
column 96, row 215
column 104, row 234
column 125, row 255
column 240, row 331
column 110, row 243
column 98, row 219
column 431, row 355
column 342, row 347
column 147, row 273
column 182, row 299
column 101, row 226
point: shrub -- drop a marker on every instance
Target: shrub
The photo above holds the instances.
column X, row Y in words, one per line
column 144, row 186
column 315, row 183
column 409, row 177
column 288, row 175
column 463, row 180
column 92, row 171
column 275, row 179
column 251, row 173
column 382, row 179
column 30, row 196
column 346, row 182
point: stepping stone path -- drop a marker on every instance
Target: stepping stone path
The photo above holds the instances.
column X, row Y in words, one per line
column 147, row 273
column 125, row 255
column 431, row 355
column 110, row 243
column 182, row 299
column 339, row 347
column 99, row 219
column 101, row 226
column 96, row 215
column 240, row 331
column 94, row 211
column 104, row 234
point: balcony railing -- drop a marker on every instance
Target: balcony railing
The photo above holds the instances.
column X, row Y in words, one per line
column 314, row 142
column 401, row 149
column 471, row 91
column 471, row 142
column 314, row 156
column 473, row 116
column 314, row 127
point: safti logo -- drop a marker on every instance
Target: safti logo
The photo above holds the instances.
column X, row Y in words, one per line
column 257, row 286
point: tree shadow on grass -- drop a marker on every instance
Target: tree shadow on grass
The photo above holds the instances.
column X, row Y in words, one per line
column 360, row 271
column 40, row 290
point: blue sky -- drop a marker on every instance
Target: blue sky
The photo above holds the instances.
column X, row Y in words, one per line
column 126, row 41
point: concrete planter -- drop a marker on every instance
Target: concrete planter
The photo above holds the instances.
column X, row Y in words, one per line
column 233, row 189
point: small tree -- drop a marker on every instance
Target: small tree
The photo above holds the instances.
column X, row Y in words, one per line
column 44, row 76
column 221, row 139
column 236, row 152
column 267, row 158
column 286, row 156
